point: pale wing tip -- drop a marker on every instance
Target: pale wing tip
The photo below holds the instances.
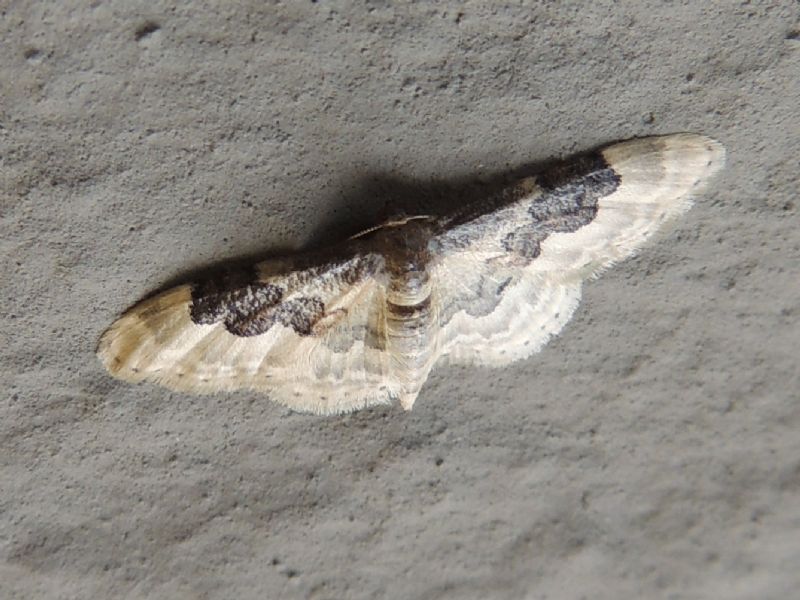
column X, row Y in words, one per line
column 111, row 350
column 699, row 152
column 703, row 146
column 127, row 341
column 108, row 347
column 680, row 165
column 104, row 351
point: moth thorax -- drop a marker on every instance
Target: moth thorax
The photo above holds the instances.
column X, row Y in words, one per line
column 409, row 288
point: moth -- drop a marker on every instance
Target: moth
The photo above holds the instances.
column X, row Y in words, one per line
column 365, row 321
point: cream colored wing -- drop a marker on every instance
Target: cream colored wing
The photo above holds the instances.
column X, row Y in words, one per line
column 307, row 332
column 508, row 274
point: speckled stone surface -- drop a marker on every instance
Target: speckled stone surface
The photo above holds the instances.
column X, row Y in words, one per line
column 650, row 451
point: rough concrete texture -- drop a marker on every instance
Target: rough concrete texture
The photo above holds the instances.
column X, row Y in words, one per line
column 651, row 451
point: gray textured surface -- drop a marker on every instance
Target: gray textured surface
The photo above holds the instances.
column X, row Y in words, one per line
column 651, row 451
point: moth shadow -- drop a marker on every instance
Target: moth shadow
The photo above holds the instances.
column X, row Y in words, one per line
column 398, row 195
column 359, row 211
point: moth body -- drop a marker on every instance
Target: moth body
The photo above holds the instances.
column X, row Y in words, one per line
column 365, row 322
